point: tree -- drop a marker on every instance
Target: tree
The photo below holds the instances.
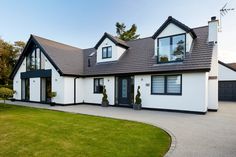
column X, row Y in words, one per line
column 8, row 56
column 6, row 93
column 126, row 35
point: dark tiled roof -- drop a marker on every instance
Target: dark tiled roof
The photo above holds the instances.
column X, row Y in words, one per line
column 68, row 59
column 114, row 39
column 232, row 65
column 139, row 58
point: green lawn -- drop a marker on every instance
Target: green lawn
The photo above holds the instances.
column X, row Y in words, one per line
column 30, row 132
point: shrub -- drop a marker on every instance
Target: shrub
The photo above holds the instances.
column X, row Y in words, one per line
column 6, row 93
column 52, row 94
column 138, row 100
column 104, row 98
column 164, row 59
column 7, row 86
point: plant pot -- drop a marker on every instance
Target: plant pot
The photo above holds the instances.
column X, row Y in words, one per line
column 137, row 106
column 12, row 99
column 52, row 104
column 105, row 104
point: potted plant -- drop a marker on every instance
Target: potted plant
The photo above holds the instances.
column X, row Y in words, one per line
column 105, row 101
column 52, row 95
column 138, row 101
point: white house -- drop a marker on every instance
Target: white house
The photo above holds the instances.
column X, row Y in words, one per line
column 227, row 81
column 176, row 69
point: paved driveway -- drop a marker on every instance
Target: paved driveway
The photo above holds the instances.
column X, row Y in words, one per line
column 210, row 135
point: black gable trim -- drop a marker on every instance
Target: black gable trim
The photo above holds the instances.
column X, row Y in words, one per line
column 177, row 23
column 226, row 65
column 106, row 35
column 24, row 54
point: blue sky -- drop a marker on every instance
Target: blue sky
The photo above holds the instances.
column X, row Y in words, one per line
column 81, row 23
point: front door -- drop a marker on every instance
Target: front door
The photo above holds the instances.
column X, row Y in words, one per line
column 124, row 91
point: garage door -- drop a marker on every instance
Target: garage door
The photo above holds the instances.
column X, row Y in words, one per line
column 227, row 90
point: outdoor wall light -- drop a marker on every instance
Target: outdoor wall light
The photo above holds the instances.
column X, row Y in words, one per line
column 33, row 80
column 141, row 79
column 56, row 80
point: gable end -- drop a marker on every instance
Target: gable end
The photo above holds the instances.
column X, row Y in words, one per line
column 177, row 23
column 24, row 53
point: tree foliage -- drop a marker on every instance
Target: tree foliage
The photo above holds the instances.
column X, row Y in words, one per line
column 9, row 54
column 124, row 34
column 6, row 93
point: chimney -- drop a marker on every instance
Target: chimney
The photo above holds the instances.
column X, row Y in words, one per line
column 213, row 30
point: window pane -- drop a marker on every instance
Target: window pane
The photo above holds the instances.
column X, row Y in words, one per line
column 104, row 53
column 164, row 49
column 178, row 47
column 32, row 60
column 98, row 85
column 173, row 84
column 158, row 84
column 124, row 88
column 109, row 52
column 38, row 58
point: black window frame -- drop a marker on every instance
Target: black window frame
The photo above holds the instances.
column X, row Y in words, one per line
column 28, row 59
column 105, row 57
column 94, row 86
column 165, row 85
column 171, row 43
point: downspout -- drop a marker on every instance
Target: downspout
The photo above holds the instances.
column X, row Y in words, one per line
column 75, row 89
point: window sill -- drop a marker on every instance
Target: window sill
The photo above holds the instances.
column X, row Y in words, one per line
column 168, row 94
column 168, row 63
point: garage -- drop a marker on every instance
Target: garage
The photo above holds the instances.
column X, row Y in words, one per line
column 227, row 81
column 227, row 90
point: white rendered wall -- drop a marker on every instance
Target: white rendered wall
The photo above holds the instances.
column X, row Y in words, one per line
column 116, row 51
column 194, row 93
column 57, row 82
column 226, row 74
column 35, row 89
column 91, row 97
column 68, row 90
column 213, row 81
column 172, row 29
column 80, row 92
column 17, row 81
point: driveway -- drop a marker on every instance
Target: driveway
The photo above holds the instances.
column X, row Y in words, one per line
column 210, row 135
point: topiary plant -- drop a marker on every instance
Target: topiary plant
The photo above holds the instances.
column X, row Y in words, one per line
column 6, row 93
column 105, row 101
column 138, row 100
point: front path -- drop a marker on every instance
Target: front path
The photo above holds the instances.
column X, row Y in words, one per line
column 210, row 135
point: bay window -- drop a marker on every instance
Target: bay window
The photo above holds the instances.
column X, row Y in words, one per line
column 171, row 48
column 166, row 84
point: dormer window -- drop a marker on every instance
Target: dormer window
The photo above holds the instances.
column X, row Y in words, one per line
column 171, row 48
column 106, row 52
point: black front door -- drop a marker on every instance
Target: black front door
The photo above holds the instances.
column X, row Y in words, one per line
column 124, row 91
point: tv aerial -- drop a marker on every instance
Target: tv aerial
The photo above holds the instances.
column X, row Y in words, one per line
column 224, row 11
